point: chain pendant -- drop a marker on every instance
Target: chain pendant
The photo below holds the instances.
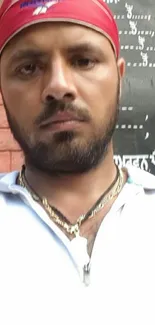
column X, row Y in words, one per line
column 86, row 274
column 80, row 253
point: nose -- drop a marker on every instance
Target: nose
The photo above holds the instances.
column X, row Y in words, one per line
column 59, row 83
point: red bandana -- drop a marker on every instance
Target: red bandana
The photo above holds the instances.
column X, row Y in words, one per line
column 15, row 15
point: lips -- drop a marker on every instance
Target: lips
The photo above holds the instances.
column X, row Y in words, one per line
column 60, row 117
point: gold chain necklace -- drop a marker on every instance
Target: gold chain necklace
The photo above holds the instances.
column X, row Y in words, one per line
column 71, row 229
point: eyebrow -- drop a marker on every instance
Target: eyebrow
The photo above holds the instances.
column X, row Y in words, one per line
column 85, row 48
column 26, row 54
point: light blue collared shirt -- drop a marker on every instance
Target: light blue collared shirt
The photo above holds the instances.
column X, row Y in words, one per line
column 41, row 272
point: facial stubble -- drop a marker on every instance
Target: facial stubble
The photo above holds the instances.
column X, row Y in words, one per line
column 64, row 154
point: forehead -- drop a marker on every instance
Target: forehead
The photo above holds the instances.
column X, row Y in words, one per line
column 1, row 2
column 50, row 36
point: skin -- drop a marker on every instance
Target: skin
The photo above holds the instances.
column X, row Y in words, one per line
column 76, row 66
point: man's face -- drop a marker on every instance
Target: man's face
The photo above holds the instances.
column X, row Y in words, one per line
column 60, row 84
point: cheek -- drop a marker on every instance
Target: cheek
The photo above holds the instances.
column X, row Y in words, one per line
column 100, row 92
column 21, row 102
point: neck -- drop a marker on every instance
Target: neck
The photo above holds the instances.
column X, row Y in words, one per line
column 73, row 194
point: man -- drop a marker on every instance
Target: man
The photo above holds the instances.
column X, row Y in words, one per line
column 76, row 234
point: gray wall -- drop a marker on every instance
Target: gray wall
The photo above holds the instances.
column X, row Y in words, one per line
column 135, row 133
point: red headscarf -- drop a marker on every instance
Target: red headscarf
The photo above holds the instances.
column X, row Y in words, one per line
column 16, row 15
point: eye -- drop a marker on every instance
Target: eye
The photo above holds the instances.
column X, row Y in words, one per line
column 84, row 63
column 28, row 69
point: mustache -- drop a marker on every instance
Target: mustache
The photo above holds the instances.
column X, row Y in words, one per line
column 55, row 106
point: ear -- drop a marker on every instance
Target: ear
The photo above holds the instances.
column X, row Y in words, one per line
column 121, row 71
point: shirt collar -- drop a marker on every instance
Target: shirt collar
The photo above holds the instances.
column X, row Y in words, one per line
column 136, row 177
column 141, row 178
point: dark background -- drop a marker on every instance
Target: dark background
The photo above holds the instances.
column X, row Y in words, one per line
column 135, row 134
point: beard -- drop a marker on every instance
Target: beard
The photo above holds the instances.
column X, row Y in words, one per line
column 65, row 153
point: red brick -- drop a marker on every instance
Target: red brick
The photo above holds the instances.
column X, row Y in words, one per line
column 7, row 141
column 3, row 119
column 16, row 160
column 4, row 162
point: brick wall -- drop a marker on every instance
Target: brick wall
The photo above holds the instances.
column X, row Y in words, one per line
column 10, row 154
